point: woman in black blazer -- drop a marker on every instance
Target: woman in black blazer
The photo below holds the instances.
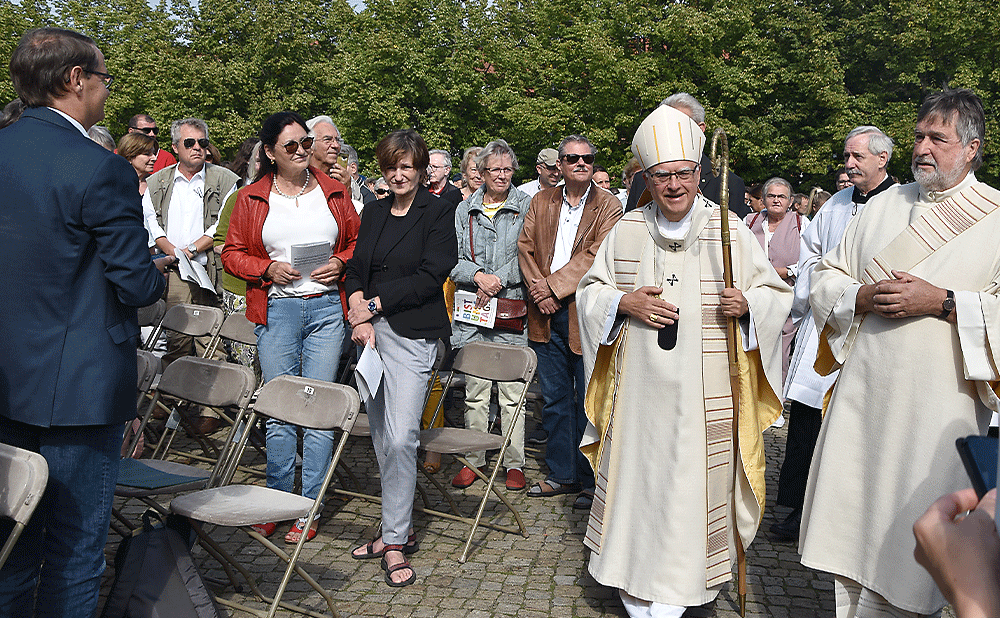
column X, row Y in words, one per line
column 406, row 248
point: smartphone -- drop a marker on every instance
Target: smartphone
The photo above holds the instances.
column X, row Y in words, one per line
column 666, row 338
column 979, row 455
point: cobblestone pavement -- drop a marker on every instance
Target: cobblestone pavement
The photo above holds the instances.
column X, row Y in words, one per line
column 542, row 575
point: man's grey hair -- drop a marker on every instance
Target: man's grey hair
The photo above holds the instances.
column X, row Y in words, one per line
column 312, row 122
column 570, row 139
column 102, row 136
column 878, row 142
column 352, row 154
column 175, row 128
column 443, row 153
column 682, row 101
column 970, row 121
column 776, row 181
column 496, row 148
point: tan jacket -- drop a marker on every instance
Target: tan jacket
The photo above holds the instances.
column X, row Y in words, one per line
column 537, row 244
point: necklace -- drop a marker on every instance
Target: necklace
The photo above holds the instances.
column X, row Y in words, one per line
column 297, row 195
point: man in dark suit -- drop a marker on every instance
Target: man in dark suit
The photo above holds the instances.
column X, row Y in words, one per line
column 710, row 184
column 76, row 265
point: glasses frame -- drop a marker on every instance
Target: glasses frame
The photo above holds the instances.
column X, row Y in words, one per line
column 662, row 178
column 573, row 158
column 189, row 142
column 106, row 78
column 292, row 146
column 147, row 130
column 497, row 171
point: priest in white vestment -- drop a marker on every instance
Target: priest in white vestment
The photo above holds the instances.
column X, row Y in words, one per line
column 908, row 308
column 867, row 151
column 660, row 434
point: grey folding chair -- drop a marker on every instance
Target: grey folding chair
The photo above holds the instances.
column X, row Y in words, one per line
column 489, row 361
column 151, row 315
column 23, row 475
column 199, row 381
column 301, row 401
column 236, row 327
column 192, row 320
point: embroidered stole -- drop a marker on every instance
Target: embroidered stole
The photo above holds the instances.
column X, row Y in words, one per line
column 633, row 238
column 928, row 233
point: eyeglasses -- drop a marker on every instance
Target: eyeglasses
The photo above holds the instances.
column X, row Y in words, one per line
column 439, row 167
column 573, row 158
column 329, row 139
column 292, row 146
column 496, row 171
column 381, row 192
column 107, row 78
column 772, row 196
column 551, row 168
column 147, row 130
column 201, row 141
column 662, row 178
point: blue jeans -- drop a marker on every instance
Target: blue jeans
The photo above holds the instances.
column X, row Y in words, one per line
column 303, row 337
column 560, row 374
column 61, row 551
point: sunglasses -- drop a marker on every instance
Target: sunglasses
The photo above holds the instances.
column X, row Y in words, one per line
column 292, row 146
column 190, row 142
column 573, row 158
column 147, row 130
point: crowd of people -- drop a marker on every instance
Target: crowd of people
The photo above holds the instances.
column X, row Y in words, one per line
column 831, row 305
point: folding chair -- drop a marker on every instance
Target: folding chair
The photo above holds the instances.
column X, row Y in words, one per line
column 151, row 315
column 191, row 320
column 197, row 380
column 23, row 475
column 236, row 327
column 300, row 401
column 489, row 361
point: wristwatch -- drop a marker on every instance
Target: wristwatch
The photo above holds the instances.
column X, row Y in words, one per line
column 372, row 308
column 193, row 249
column 948, row 305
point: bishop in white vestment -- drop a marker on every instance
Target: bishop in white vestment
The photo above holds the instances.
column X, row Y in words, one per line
column 908, row 308
column 660, row 435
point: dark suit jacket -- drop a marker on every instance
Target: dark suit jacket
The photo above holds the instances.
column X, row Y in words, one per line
column 75, row 267
column 412, row 296
column 710, row 186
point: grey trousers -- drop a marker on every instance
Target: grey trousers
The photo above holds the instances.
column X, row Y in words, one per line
column 394, row 418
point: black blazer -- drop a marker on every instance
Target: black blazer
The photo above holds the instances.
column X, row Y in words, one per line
column 417, row 265
column 75, row 267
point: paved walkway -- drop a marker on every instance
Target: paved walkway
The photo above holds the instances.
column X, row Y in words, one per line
column 506, row 575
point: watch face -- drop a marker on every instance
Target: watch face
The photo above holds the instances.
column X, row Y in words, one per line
column 948, row 304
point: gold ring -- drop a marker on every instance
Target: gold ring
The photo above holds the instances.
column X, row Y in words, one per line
column 652, row 317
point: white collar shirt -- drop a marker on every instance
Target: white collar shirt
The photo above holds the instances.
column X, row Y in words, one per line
column 73, row 121
column 185, row 213
column 569, row 221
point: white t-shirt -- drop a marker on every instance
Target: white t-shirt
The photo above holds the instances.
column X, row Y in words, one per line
column 286, row 225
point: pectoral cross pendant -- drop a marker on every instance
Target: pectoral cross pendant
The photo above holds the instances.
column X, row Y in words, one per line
column 673, row 279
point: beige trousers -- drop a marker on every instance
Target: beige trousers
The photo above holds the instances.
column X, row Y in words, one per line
column 477, row 412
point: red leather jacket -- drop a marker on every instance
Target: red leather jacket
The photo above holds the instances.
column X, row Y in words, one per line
column 244, row 255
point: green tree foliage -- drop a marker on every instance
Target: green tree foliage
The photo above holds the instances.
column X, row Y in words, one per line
column 785, row 78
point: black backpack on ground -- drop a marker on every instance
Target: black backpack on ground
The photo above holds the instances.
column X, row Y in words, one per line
column 155, row 576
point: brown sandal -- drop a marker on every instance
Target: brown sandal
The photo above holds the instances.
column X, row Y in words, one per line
column 389, row 570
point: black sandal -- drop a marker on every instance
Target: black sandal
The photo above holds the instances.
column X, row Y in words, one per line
column 405, row 564
column 412, row 546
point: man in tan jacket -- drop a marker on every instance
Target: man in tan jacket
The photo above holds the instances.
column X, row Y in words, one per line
column 562, row 231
